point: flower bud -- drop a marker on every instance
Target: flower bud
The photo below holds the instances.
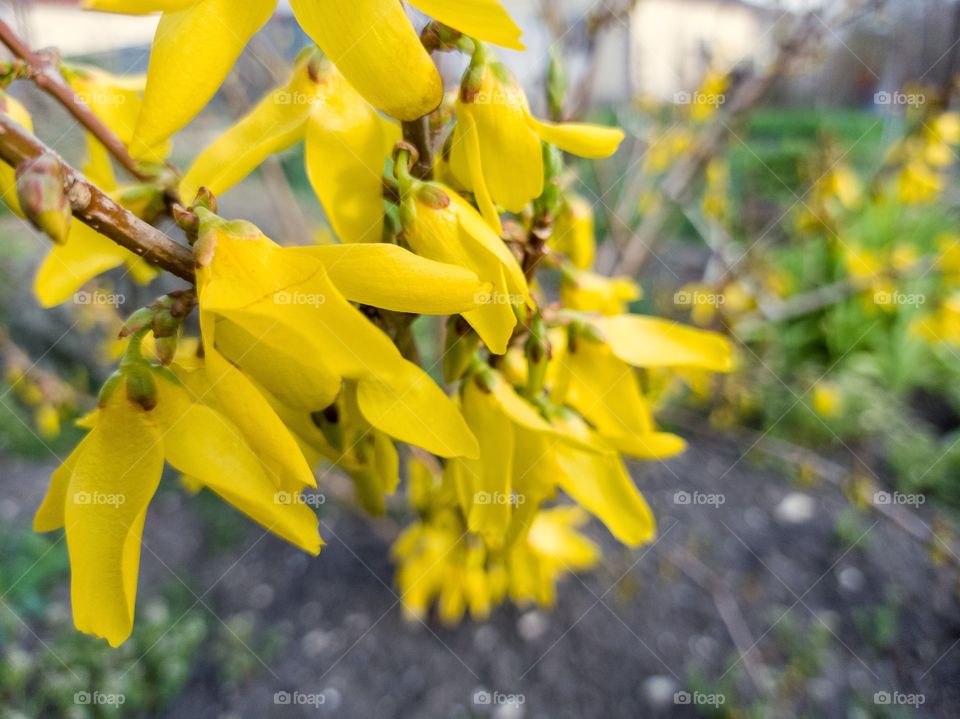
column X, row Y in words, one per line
column 141, row 387
column 42, row 198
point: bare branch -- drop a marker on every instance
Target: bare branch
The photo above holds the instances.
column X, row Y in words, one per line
column 97, row 210
column 44, row 71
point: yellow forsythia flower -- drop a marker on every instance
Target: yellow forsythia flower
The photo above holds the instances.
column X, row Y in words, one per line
column 368, row 40
column 346, row 142
column 277, row 313
column 102, row 491
column 492, row 114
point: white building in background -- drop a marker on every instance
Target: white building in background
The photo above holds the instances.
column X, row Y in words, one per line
column 673, row 42
column 62, row 24
column 664, row 47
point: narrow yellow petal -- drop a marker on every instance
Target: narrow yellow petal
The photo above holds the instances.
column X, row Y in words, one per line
column 12, row 107
column 601, row 485
column 67, row 267
column 654, row 342
column 296, row 379
column 581, row 139
column 392, row 278
column 347, row 147
column 234, row 395
column 486, row 482
column 208, row 447
column 112, row 483
column 193, row 51
column 369, row 41
column 409, row 406
column 481, row 19
column 137, row 7
column 278, row 121
column 472, row 151
column 49, row 516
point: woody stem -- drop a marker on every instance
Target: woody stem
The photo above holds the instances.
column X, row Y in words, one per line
column 96, row 209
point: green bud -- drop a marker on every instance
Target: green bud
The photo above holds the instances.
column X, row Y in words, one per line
column 167, row 348
column 141, row 387
column 40, row 191
column 165, row 324
column 139, row 320
column 460, row 347
column 538, row 351
column 433, row 196
column 109, row 387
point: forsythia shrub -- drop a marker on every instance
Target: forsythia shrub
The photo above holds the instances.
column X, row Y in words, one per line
column 304, row 353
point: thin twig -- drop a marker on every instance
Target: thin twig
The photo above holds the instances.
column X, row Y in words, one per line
column 44, row 71
column 97, row 210
column 729, row 610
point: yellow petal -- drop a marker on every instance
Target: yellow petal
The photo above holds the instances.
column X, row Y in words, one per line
column 466, row 144
column 409, row 406
column 271, row 353
column 457, row 234
column 485, row 483
column 208, row 447
column 581, row 139
column 278, row 121
column 653, row 342
column 392, row 278
column 193, row 51
column 243, row 283
column 481, row 19
column 137, row 7
column 347, row 147
column 601, row 485
column 67, row 267
column 112, row 483
column 498, row 115
column 234, row 395
column 368, row 41
column 13, row 108
column 49, row 516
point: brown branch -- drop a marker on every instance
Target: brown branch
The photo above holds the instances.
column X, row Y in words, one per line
column 417, row 133
column 97, row 210
column 44, row 70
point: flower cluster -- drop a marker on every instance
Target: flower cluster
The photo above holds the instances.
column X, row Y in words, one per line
column 305, row 353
